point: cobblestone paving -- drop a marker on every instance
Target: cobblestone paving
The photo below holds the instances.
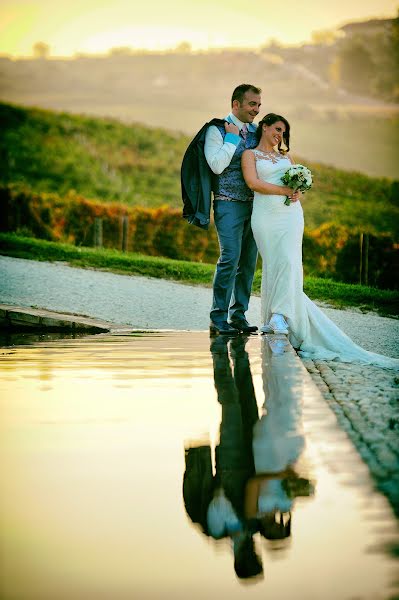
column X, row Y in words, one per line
column 365, row 400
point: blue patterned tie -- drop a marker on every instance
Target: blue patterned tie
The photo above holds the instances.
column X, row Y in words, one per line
column 244, row 131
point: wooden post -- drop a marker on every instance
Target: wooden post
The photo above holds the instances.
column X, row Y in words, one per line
column 17, row 222
column 125, row 229
column 361, row 259
column 366, row 259
column 98, row 232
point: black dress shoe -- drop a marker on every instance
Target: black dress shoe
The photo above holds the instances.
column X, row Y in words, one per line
column 243, row 325
column 222, row 329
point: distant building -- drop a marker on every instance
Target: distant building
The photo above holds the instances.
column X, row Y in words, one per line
column 367, row 27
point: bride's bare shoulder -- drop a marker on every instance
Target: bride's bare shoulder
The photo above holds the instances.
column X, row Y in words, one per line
column 249, row 152
column 248, row 155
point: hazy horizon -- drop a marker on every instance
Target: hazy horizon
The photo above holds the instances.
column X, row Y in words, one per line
column 98, row 26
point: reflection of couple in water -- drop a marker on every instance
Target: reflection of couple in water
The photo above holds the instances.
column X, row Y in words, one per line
column 255, row 481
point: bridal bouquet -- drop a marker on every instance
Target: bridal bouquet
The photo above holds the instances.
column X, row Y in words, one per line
column 299, row 178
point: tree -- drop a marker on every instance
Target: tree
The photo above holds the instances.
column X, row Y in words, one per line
column 324, row 37
column 183, row 48
column 367, row 60
column 356, row 66
column 120, row 51
column 41, row 50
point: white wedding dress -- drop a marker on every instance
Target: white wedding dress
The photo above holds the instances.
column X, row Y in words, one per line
column 278, row 231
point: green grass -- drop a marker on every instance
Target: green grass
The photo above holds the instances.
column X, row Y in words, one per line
column 99, row 158
column 341, row 295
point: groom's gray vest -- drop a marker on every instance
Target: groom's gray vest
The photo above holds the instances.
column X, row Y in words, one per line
column 230, row 184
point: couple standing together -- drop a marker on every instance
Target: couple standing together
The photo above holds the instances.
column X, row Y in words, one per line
column 243, row 165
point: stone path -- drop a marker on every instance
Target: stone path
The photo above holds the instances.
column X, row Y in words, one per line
column 365, row 400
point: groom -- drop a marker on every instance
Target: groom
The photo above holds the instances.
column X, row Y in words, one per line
column 224, row 145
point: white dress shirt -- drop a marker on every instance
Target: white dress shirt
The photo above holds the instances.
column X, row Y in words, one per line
column 219, row 152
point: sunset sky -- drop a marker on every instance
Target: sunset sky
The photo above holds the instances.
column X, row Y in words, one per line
column 91, row 26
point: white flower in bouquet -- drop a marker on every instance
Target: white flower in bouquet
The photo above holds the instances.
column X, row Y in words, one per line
column 299, row 178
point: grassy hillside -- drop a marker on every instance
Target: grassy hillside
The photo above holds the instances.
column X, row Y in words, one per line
column 182, row 90
column 98, row 158
column 106, row 160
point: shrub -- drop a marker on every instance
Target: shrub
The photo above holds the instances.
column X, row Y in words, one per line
column 331, row 250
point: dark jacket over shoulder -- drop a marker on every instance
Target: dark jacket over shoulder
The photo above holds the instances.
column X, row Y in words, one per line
column 196, row 180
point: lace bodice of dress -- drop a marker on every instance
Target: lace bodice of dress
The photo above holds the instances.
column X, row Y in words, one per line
column 271, row 166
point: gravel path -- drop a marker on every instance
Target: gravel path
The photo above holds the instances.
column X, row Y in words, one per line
column 364, row 398
column 153, row 303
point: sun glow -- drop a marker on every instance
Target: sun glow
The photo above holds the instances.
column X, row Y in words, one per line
column 96, row 26
column 148, row 37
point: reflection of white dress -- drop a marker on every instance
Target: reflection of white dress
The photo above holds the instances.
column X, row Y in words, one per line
column 278, row 439
column 278, row 231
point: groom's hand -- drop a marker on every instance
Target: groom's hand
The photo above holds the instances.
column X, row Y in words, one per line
column 231, row 128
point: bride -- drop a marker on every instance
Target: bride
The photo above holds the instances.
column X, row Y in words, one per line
column 278, row 231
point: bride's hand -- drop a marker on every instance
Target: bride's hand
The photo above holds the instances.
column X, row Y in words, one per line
column 295, row 196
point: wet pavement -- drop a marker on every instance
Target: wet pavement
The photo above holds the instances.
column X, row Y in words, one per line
column 167, row 465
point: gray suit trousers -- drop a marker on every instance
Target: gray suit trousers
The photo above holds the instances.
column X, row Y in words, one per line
column 235, row 268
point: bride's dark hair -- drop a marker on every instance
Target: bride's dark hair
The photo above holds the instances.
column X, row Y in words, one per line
column 270, row 119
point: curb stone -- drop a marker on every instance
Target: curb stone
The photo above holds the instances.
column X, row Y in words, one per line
column 18, row 319
column 365, row 400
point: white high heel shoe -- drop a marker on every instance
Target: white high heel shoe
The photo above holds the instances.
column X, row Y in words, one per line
column 277, row 325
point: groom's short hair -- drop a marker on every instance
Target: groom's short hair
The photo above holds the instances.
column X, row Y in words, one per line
column 242, row 89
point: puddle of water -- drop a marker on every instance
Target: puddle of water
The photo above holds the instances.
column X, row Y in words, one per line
column 151, row 467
